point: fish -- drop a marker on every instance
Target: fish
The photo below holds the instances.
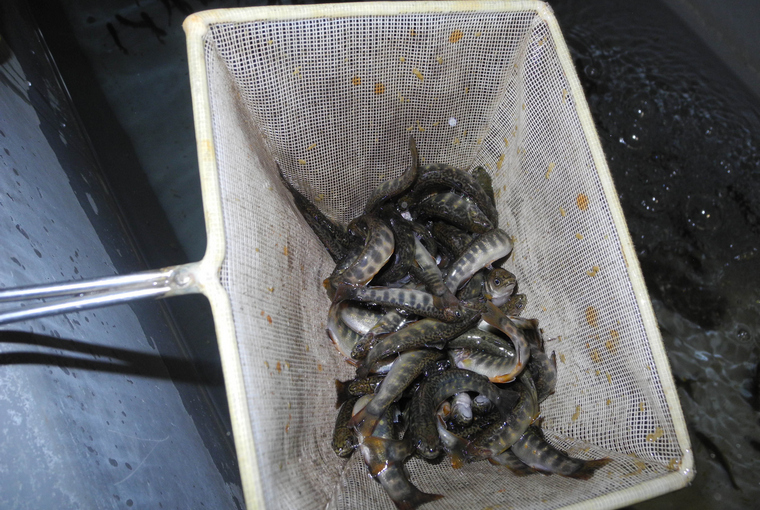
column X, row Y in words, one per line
column 499, row 285
column 484, row 179
column 442, row 176
column 543, row 367
column 501, row 435
column 453, row 209
column 360, row 318
column 397, row 271
column 356, row 388
column 489, row 247
column 515, row 305
column 480, row 405
column 481, row 340
column 332, row 235
column 427, row 272
column 395, row 187
column 384, row 456
column 452, row 444
column 410, row 300
column 389, row 323
column 406, row 369
column 496, row 318
column 508, row 459
column 461, row 409
column 535, row 452
column 423, row 333
column 343, row 338
column 378, row 248
column 498, row 369
column 452, row 238
column 436, row 389
column 343, row 439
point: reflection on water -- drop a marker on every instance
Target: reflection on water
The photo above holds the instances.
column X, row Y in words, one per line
column 680, row 135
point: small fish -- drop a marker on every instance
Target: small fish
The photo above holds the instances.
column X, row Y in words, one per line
column 542, row 367
column 515, row 305
column 501, row 435
column 452, row 444
column 534, row 451
column 359, row 318
column 484, row 179
column 441, row 176
column 452, row 238
column 413, row 301
column 384, row 455
column 498, row 369
column 397, row 271
column 496, row 318
column 423, row 333
column 436, row 389
column 378, row 248
column 426, row 271
column 343, row 439
column 395, row 187
column 346, row 390
column 485, row 341
column 489, row 247
column 461, row 409
column 514, row 464
column 332, row 235
column 389, row 323
column 454, row 209
column 474, row 288
column 499, row 285
column 407, row 367
column 481, row 405
column 343, row 338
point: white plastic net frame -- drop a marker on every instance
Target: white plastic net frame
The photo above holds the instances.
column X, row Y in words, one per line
column 332, row 94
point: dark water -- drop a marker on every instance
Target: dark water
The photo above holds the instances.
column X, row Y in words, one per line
column 681, row 138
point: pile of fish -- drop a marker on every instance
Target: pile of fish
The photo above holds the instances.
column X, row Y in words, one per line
column 444, row 362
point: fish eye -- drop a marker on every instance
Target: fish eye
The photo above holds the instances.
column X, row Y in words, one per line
column 458, row 313
column 496, row 282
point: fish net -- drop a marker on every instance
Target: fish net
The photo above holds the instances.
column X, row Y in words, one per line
column 332, row 94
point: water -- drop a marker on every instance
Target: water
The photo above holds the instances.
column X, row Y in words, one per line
column 679, row 133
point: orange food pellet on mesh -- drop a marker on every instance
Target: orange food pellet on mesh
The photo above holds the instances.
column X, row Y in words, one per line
column 456, row 36
column 356, row 80
column 278, row 367
column 269, row 319
column 582, row 201
column 379, row 88
column 592, row 316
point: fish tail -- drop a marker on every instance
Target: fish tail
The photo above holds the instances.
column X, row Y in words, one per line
column 417, row 499
column 587, row 471
column 341, row 388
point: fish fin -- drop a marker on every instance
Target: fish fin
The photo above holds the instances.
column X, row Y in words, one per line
column 507, row 400
column 419, row 498
column 382, row 452
column 362, row 370
column 587, row 471
column 341, row 388
column 363, row 423
column 343, row 291
column 492, row 314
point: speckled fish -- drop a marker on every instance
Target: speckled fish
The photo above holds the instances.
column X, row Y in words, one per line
column 452, row 238
column 359, row 318
column 499, row 285
column 436, row 389
column 384, row 455
column 485, row 341
column 535, row 452
column 498, row 369
column 543, row 367
column 397, row 271
column 426, row 271
column 515, row 305
column 489, row 247
column 354, row 251
column 447, row 177
column 496, row 318
column 395, row 187
column 378, row 248
column 509, row 460
column 332, row 235
column 343, row 439
column 452, row 444
column 413, row 301
column 461, row 409
column 343, row 338
column 474, row 288
column 406, row 369
column 423, row 333
column 389, row 323
column 454, row 209
column 501, row 435
column 356, row 388
column 484, row 179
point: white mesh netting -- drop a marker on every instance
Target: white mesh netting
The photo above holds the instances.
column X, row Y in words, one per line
column 333, row 100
